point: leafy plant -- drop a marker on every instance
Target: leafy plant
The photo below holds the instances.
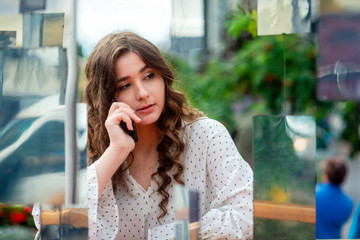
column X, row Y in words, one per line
column 257, row 70
column 276, row 74
column 15, row 214
column 240, row 22
column 351, row 131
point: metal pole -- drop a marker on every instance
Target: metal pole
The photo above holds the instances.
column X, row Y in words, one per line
column 206, row 23
column 70, row 113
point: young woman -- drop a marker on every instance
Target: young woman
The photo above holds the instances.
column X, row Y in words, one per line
column 132, row 184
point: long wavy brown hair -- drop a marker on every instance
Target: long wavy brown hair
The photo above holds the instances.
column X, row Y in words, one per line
column 99, row 94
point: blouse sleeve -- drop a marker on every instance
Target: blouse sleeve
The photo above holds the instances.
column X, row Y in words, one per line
column 231, row 210
column 166, row 231
column 36, row 212
column 101, row 210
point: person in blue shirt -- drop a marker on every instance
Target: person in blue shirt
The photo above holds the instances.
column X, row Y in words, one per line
column 354, row 232
column 333, row 206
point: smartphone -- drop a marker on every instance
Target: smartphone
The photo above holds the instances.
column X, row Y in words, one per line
column 132, row 133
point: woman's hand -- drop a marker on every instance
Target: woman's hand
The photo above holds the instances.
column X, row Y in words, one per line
column 118, row 138
column 121, row 144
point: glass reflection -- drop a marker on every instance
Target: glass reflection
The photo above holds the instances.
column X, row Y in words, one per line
column 9, row 7
column 16, row 215
column 53, row 29
column 39, row 71
column 33, row 74
column 338, row 64
column 187, row 213
column 31, row 5
column 284, row 176
column 42, row 30
column 64, row 223
column 32, row 153
column 7, row 39
column 1, row 77
column 283, row 16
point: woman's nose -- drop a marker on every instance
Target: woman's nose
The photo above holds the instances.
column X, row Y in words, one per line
column 141, row 91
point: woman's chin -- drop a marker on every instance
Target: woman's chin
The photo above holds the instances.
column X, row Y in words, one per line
column 147, row 122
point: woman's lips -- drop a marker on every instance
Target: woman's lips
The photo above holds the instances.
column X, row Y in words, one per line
column 146, row 109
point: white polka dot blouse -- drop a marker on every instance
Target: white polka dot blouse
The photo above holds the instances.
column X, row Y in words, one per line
column 213, row 167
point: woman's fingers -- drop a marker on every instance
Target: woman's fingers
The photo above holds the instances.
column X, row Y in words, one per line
column 128, row 112
column 116, row 117
column 119, row 107
column 121, row 117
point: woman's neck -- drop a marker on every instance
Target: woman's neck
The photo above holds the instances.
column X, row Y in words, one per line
column 149, row 138
column 146, row 156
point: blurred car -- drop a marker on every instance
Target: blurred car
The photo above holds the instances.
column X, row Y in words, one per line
column 32, row 152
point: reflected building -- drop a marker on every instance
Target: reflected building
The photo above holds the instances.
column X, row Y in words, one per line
column 338, row 63
column 198, row 28
column 283, row 16
column 34, row 75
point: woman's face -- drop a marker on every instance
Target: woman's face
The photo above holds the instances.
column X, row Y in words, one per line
column 140, row 87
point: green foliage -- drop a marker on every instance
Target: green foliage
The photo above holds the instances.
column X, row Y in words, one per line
column 275, row 146
column 257, row 70
column 240, row 21
column 351, row 131
column 15, row 214
column 213, row 92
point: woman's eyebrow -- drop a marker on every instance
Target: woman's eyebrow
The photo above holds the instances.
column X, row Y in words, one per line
column 143, row 68
column 140, row 71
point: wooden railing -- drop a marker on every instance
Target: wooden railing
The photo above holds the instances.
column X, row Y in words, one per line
column 285, row 211
column 77, row 217
column 262, row 209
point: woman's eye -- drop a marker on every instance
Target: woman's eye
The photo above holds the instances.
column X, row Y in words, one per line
column 125, row 86
column 150, row 76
